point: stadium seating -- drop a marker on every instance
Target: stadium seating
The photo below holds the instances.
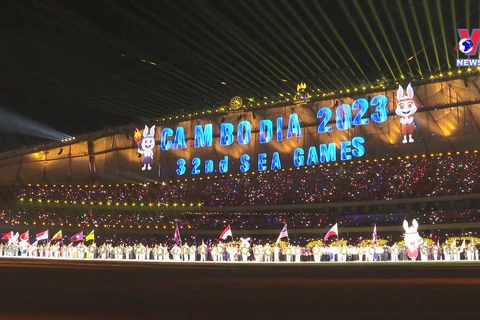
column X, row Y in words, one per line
column 409, row 177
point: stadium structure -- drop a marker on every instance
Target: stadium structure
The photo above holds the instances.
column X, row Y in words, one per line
column 389, row 152
column 447, row 120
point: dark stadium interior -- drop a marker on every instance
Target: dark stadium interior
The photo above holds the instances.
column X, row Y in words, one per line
column 154, row 153
column 239, row 292
column 73, row 61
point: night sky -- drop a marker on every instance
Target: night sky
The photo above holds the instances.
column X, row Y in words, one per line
column 81, row 66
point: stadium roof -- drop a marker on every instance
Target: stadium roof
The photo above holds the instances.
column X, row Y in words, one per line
column 80, row 66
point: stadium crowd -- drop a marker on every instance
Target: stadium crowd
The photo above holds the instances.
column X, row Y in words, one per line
column 409, row 177
column 217, row 221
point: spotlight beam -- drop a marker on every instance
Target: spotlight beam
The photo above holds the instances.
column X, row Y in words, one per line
column 338, row 36
column 280, row 53
column 442, row 30
column 306, row 44
column 432, row 35
column 419, row 31
column 253, row 78
column 468, row 11
column 86, row 26
column 397, row 37
column 253, row 50
column 410, row 39
column 312, row 36
column 359, row 34
column 12, row 122
column 385, row 37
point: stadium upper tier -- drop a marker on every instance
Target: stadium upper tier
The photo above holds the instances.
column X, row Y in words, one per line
column 431, row 219
column 421, row 176
column 268, row 142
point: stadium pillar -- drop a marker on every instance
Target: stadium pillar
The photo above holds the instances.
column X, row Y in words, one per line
column 45, row 167
column 117, row 156
column 69, row 178
column 91, row 160
column 19, row 171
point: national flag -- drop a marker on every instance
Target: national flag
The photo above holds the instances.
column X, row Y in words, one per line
column 374, row 236
column 462, row 247
column 225, row 233
column 77, row 237
column 91, row 236
column 332, row 232
column 42, row 235
column 8, row 236
column 25, row 236
column 57, row 236
column 176, row 235
column 283, row 233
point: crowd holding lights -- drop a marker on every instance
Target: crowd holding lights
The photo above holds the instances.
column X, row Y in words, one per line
column 217, row 221
column 392, row 178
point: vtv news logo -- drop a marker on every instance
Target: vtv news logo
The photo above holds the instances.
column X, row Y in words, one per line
column 468, row 45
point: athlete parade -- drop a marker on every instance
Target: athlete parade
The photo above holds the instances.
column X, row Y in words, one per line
column 411, row 249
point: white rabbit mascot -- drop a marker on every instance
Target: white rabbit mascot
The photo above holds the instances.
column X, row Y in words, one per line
column 406, row 108
column 14, row 239
column 13, row 243
column 146, row 147
column 412, row 239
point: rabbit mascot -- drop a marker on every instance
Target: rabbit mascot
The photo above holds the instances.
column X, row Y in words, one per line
column 146, row 147
column 406, row 108
column 412, row 239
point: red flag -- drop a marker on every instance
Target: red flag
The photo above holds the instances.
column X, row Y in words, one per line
column 25, row 236
column 42, row 235
column 227, row 232
column 8, row 235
